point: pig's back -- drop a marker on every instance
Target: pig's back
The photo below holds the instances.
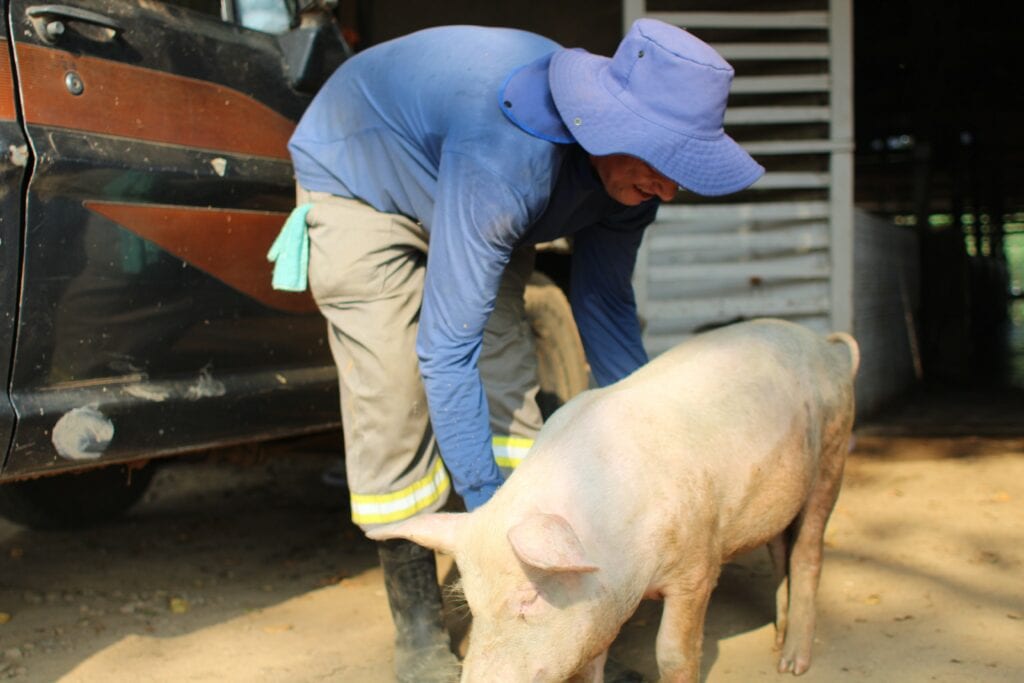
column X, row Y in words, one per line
column 726, row 425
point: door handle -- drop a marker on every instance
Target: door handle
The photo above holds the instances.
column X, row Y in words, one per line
column 49, row 21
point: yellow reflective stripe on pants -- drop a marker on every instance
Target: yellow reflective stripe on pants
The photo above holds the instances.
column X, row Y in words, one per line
column 509, row 451
column 394, row 507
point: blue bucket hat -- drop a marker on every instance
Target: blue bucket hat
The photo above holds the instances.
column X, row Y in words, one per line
column 660, row 98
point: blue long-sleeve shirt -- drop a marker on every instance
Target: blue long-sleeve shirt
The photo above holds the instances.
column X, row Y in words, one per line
column 414, row 126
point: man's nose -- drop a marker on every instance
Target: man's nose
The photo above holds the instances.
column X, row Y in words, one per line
column 665, row 188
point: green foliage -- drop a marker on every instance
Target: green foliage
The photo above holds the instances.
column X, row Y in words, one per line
column 1014, row 246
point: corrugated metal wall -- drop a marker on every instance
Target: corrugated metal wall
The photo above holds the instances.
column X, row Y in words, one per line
column 785, row 247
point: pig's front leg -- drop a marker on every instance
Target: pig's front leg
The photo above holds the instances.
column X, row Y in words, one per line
column 681, row 632
column 593, row 672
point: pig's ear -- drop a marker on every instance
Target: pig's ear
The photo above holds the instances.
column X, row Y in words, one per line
column 438, row 531
column 548, row 542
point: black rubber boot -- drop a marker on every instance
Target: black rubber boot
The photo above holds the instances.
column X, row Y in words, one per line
column 422, row 646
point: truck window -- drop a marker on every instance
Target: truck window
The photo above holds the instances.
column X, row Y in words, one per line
column 269, row 16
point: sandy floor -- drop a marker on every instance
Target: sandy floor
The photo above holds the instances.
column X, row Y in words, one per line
column 250, row 572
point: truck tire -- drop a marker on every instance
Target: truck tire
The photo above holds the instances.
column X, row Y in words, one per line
column 74, row 500
column 561, row 363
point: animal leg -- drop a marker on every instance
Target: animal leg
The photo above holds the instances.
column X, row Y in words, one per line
column 681, row 632
column 778, row 550
column 805, row 562
column 593, row 672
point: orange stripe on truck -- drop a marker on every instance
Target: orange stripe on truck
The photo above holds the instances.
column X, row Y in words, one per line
column 8, row 112
column 229, row 244
column 146, row 104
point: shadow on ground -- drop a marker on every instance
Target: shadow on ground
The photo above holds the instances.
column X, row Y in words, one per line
column 214, row 538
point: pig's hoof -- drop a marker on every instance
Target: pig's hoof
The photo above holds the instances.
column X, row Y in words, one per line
column 794, row 665
column 617, row 672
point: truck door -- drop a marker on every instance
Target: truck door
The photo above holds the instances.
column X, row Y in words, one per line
column 13, row 155
column 159, row 176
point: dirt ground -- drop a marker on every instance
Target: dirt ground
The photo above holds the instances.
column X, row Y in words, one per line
column 246, row 569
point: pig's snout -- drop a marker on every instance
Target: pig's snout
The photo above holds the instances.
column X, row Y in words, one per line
column 491, row 672
column 508, row 668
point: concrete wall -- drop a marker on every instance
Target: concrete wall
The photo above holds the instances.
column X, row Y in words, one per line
column 886, row 299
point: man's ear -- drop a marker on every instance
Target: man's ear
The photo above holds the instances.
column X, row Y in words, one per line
column 548, row 542
column 438, row 531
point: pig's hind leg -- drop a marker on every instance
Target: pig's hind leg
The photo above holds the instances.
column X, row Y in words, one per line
column 797, row 554
column 778, row 550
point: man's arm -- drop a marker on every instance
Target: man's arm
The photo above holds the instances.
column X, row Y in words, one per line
column 476, row 222
column 602, row 298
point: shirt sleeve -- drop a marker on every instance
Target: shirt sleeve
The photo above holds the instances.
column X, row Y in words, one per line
column 601, row 293
column 476, row 223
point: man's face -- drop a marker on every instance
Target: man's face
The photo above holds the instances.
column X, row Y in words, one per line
column 631, row 181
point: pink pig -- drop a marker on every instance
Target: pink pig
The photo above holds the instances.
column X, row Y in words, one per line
column 733, row 439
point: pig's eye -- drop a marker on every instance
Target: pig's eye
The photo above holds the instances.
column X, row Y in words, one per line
column 521, row 613
column 522, row 601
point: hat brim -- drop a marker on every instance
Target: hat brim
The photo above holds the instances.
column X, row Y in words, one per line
column 604, row 125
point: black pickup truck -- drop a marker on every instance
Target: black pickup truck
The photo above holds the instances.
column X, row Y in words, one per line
column 144, row 175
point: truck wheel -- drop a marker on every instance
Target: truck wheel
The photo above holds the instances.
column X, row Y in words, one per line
column 76, row 500
column 561, row 363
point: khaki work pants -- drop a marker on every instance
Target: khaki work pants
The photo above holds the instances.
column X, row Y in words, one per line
column 366, row 273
